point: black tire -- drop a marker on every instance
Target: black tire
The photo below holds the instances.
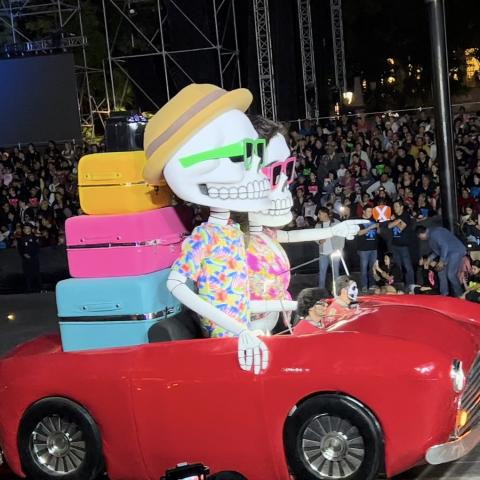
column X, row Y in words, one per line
column 337, row 458
column 69, row 430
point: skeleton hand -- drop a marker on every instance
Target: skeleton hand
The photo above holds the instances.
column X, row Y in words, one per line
column 252, row 352
column 347, row 229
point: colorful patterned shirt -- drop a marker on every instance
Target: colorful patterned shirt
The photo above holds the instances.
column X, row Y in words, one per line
column 268, row 268
column 214, row 257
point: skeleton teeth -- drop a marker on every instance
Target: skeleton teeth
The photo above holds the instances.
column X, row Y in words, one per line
column 256, row 186
column 242, row 193
column 284, row 203
column 213, row 192
column 256, row 194
column 233, row 193
column 250, row 188
column 223, row 193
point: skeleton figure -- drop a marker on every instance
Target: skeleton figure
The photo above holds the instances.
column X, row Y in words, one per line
column 207, row 150
column 269, row 267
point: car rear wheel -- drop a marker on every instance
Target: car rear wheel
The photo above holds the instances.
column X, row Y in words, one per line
column 59, row 439
column 333, row 437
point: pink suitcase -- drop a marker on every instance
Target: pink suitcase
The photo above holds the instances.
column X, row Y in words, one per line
column 123, row 245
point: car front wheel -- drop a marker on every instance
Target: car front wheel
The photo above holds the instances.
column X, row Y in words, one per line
column 59, row 438
column 333, row 437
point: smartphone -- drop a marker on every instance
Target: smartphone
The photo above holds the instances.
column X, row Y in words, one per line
column 184, row 471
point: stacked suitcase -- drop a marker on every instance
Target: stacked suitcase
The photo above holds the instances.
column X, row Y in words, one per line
column 119, row 255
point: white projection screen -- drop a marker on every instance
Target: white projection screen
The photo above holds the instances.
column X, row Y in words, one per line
column 38, row 100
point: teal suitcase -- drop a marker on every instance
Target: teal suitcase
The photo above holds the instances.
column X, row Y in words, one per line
column 112, row 312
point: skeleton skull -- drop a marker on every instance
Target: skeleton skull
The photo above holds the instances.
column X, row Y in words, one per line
column 220, row 182
column 279, row 212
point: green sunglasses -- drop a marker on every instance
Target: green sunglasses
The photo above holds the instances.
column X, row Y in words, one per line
column 242, row 151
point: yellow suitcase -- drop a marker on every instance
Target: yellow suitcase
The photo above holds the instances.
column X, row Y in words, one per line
column 112, row 182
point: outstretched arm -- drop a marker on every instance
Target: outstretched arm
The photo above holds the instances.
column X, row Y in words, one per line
column 266, row 306
column 252, row 352
column 347, row 229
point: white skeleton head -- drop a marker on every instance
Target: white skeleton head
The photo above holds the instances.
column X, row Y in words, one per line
column 220, row 183
column 279, row 212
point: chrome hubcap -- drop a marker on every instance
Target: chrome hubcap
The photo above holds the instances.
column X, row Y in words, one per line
column 332, row 447
column 57, row 445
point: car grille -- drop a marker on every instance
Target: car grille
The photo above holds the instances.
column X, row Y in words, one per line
column 471, row 398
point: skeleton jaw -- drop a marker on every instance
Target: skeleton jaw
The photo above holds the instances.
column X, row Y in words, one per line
column 279, row 207
column 277, row 215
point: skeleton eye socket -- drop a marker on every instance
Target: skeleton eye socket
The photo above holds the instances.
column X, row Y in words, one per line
column 237, row 159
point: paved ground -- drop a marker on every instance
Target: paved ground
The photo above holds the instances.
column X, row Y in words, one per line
column 34, row 315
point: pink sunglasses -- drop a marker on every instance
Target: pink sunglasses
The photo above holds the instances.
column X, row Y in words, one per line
column 274, row 170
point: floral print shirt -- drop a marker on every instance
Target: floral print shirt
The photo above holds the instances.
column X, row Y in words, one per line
column 268, row 267
column 214, row 257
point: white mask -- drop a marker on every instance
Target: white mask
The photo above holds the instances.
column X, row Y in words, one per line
column 352, row 291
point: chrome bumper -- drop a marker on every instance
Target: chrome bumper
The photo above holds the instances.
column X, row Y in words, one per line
column 450, row 451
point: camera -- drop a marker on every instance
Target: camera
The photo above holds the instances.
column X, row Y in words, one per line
column 184, row 471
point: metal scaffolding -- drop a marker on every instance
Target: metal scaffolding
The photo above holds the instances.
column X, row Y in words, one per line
column 65, row 23
column 338, row 46
column 62, row 12
column 308, row 59
column 266, row 75
column 152, row 40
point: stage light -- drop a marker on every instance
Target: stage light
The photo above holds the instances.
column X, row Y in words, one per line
column 348, row 97
column 11, row 317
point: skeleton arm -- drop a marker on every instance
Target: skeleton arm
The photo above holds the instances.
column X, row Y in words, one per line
column 252, row 352
column 348, row 229
column 265, row 306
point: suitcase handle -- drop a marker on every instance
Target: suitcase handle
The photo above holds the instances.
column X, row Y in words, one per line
column 108, row 240
column 101, row 177
column 104, row 239
column 101, row 307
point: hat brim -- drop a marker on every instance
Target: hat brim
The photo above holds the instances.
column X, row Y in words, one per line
column 239, row 99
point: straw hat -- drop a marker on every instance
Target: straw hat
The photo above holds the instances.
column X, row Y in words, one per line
column 181, row 118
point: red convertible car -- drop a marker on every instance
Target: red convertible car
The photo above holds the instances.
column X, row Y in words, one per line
column 396, row 385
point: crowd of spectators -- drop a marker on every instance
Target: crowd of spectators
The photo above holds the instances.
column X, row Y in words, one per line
column 38, row 189
column 382, row 169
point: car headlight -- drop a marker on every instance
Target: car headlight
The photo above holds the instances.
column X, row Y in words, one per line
column 458, row 376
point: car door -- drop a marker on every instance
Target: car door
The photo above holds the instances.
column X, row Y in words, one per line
column 193, row 403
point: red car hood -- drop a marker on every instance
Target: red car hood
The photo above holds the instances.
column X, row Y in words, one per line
column 440, row 324
column 460, row 310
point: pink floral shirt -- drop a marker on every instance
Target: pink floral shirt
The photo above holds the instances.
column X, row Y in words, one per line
column 268, row 267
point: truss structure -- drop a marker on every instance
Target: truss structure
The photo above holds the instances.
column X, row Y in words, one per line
column 308, row 59
column 152, row 40
column 338, row 46
column 63, row 12
column 66, row 33
column 266, row 75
